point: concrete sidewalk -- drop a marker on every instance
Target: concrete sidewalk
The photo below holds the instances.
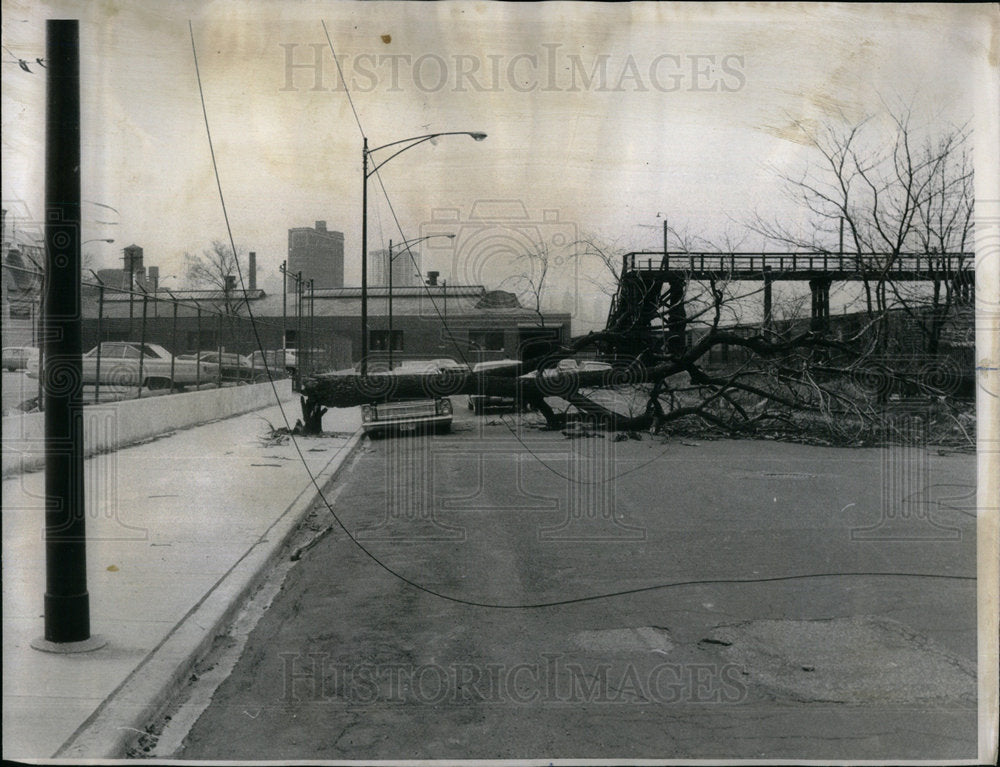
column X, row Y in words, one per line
column 179, row 530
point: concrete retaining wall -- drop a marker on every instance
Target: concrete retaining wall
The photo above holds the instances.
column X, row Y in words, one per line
column 113, row 425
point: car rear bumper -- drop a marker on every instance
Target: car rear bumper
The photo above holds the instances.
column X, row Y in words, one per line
column 406, row 424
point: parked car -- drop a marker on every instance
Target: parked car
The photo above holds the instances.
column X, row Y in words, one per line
column 446, row 363
column 570, row 365
column 279, row 361
column 407, row 416
column 439, row 364
column 565, row 367
column 411, row 415
column 287, row 360
column 17, row 357
column 234, row 367
column 505, row 368
column 120, row 363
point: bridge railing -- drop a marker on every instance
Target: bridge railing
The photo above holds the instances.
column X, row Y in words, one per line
column 757, row 263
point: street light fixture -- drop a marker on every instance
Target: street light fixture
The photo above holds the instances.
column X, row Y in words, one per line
column 407, row 244
column 403, row 144
column 99, row 239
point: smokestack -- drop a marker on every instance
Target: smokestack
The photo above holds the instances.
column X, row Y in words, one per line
column 432, row 278
column 230, row 282
column 252, row 277
column 321, row 226
column 153, row 273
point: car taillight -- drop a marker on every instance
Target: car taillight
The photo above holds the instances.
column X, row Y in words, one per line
column 443, row 406
column 366, row 413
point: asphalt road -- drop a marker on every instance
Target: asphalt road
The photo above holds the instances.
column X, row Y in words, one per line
column 634, row 599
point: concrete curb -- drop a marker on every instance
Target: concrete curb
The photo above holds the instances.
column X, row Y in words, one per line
column 143, row 696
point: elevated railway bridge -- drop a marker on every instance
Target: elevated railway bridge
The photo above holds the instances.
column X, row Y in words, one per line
column 647, row 277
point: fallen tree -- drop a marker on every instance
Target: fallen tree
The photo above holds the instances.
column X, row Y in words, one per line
column 802, row 373
column 335, row 390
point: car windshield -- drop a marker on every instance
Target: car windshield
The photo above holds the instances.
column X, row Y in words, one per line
column 492, row 364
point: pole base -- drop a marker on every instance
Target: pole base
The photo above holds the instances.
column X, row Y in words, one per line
column 95, row 642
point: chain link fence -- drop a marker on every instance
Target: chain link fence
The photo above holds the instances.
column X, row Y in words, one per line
column 139, row 342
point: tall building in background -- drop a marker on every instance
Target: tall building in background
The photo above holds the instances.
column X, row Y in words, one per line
column 318, row 254
column 405, row 268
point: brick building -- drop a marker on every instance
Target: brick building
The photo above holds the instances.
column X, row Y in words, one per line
column 466, row 322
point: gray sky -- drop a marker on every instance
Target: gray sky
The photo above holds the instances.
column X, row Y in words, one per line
column 599, row 116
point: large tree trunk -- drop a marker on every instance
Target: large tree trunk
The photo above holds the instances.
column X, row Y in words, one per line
column 350, row 390
column 336, row 390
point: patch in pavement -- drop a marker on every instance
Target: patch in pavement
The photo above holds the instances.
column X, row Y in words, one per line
column 774, row 475
column 625, row 640
column 859, row 660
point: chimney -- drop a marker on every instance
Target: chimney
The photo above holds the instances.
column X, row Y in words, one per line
column 432, row 278
column 153, row 273
column 230, row 283
column 252, row 277
column 321, row 226
column 134, row 273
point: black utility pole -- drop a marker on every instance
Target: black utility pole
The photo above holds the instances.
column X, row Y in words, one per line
column 312, row 322
column 298, row 318
column 67, row 603
column 364, row 259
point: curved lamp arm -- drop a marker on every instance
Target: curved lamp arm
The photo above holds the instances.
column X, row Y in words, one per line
column 412, row 142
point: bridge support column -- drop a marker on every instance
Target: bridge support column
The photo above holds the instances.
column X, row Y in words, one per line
column 676, row 316
column 963, row 288
column 767, row 296
column 820, row 289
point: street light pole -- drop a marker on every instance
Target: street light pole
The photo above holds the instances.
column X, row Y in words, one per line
column 408, row 143
column 364, row 260
column 390, row 305
column 67, row 601
column 409, row 244
column 284, row 304
column 298, row 318
column 312, row 322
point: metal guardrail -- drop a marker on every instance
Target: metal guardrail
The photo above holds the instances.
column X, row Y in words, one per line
column 869, row 264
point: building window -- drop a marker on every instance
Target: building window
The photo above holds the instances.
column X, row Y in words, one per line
column 378, row 340
column 486, row 340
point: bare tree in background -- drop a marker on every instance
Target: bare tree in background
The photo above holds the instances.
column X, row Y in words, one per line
column 219, row 269
column 880, row 189
column 530, row 280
